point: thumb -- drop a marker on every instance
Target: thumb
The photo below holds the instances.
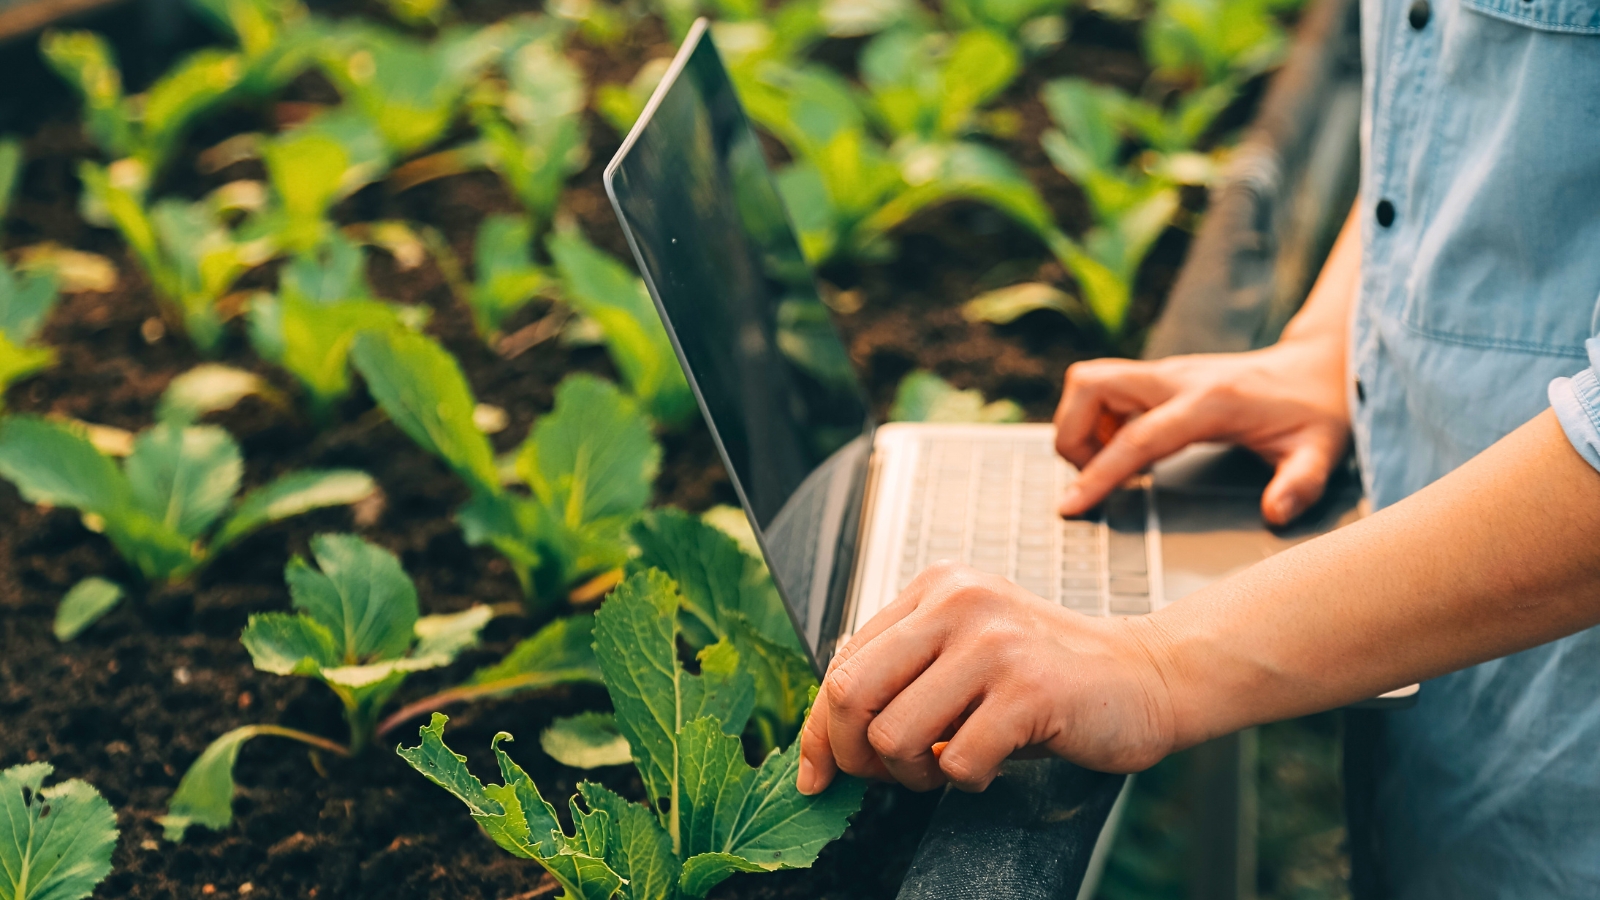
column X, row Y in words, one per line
column 1299, row 481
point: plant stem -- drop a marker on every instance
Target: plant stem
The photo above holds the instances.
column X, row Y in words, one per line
column 468, row 692
column 304, row 737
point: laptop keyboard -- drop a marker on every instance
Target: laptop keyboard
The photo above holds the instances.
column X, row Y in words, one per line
column 991, row 505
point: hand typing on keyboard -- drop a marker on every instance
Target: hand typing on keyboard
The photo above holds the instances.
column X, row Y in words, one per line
column 972, row 659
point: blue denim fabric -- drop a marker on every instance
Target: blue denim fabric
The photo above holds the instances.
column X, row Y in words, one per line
column 1482, row 130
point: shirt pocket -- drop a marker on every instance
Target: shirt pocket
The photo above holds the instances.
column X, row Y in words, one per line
column 1562, row 16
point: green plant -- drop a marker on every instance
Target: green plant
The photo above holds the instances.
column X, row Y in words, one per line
column 1130, row 207
column 589, row 463
column 925, row 397
column 187, row 249
column 410, row 89
column 531, row 123
column 171, row 506
column 55, row 842
column 311, row 167
column 276, row 38
column 146, row 128
column 322, row 303
column 1197, row 43
column 357, row 630
column 709, row 814
column 507, row 277
column 25, row 303
column 602, row 289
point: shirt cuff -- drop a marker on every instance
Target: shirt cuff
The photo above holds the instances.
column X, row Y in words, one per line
column 1576, row 402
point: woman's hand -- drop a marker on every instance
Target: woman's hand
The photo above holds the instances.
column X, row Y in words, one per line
column 1285, row 402
column 970, row 658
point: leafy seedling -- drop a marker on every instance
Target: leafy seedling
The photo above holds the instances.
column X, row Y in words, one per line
column 1198, row 43
column 708, row 815
column 25, row 302
column 358, row 631
column 313, row 166
column 925, row 397
column 323, row 303
column 146, row 128
column 173, row 504
column 729, row 597
column 277, row 39
column 410, row 89
column 605, row 291
column 930, row 85
column 187, row 249
column 507, row 276
column 1130, row 207
column 531, row 123
column 589, row 462
column 55, row 842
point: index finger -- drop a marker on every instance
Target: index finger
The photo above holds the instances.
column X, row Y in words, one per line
column 1095, row 391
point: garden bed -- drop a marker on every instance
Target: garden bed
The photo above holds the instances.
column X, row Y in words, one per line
column 130, row 704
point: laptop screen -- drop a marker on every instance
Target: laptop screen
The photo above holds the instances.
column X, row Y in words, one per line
column 714, row 243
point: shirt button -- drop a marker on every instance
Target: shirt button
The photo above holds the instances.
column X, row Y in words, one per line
column 1420, row 11
column 1385, row 213
column 1361, row 391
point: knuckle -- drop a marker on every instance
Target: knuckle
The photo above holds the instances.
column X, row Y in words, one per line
column 840, row 688
column 890, row 740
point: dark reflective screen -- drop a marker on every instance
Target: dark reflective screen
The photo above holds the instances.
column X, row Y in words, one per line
column 715, row 245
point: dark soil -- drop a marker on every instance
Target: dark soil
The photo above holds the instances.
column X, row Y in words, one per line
column 130, row 704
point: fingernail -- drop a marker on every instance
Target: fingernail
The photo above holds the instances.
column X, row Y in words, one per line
column 806, row 781
column 1070, row 501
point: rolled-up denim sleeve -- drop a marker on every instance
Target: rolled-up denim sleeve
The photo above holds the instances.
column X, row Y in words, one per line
column 1576, row 401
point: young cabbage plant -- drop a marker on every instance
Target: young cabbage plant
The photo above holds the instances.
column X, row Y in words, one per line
column 925, row 397
column 707, row 815
column 187, row 249
column 531, row 123
column 56, row 841
column 357, row 629
column 930, row 86
column 607, row 292
column 174, row 503
column 277, row 39
column 847, row 191
column 589, row 463
column 507, row 277
column 1130, row 207
column 146, row 128
column 323, row 302
column 1197, row 43
column 409, row 88
column 728, row 596
column 25, row 302
column 313, row 166
column 1037, row 25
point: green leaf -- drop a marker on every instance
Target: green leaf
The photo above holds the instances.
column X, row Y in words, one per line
column 56, row 464
column 980, row 66
column 25, row 303
column 441, row 637
column 507, row 277
column 209, row 388
column 586, row 741
column 196, row 84
column 291, row 495
column 285, row 644
column 517, row 818
column 738, row 819
column 17, row 363
column 534, row 134
column 84, row 605
column 55, row 842
column 601, row 288
column 641, row 850
column 925, row 397
column 84, row 60
column 11, row 163
column 307, row 170
column 636, row 633
column 361, row 595
column 420, row 386
column 205, row 795
column 313, row 340
column 559, row 652
column 184, row 476
column 592, row 456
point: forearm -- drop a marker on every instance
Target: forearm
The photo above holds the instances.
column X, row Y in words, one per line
column 1494, row 558
column 1325, row 315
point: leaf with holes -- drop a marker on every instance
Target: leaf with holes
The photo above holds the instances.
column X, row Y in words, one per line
column 55, row 842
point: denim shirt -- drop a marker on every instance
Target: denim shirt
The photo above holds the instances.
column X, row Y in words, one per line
column 1480, row 293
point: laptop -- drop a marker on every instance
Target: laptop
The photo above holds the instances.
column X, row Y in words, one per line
column 846, row 510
